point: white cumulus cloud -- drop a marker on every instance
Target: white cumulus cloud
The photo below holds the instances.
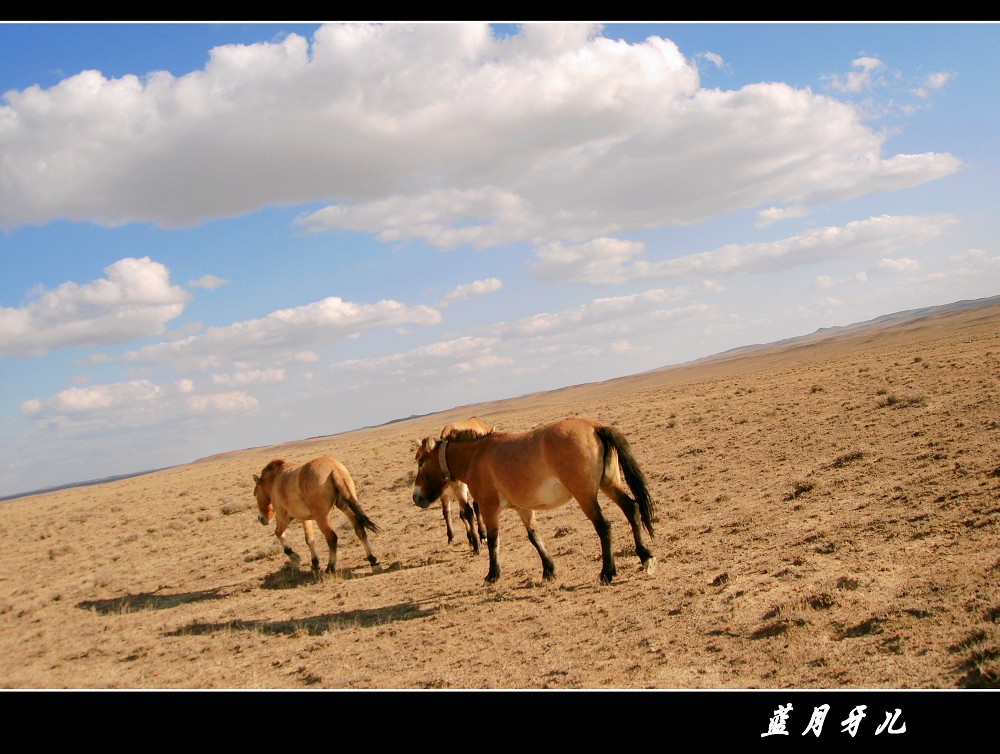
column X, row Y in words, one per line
column 222, row 402
column 96, row 398
column 771, row 215
column 250, row 377
column 876, row 235
column 285, row 333
column 898, row 265
column 475, row 289
column 602, row 259
column 931, row 83
column 208, row 281
column 864, row 76
column 134, row 301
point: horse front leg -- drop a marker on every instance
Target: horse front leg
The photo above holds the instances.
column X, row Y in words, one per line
column 280, row 529
column 548, row 567
column 491, row 516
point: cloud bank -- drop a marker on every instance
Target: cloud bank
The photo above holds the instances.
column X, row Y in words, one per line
column 607, row 260
column 442, row 133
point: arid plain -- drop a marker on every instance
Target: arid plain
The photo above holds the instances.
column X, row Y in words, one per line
column 828, row 517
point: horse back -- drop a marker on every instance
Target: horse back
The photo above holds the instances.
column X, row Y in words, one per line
column 312, row 489
column 568, row 450
column 473, row 425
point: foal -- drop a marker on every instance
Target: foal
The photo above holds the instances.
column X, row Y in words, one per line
column 307, row 493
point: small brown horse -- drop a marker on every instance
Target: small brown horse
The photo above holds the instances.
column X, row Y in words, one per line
column 459, row 491
column 540, row 470
column 307, row 493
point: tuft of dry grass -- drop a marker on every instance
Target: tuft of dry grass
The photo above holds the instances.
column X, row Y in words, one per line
column 895, row 401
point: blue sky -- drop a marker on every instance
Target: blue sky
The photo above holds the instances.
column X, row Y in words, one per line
column 217, row 236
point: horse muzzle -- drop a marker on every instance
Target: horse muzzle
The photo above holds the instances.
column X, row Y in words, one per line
column 263, row 520
column 421, row 499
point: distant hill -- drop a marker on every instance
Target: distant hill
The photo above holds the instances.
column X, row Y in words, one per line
column 872, row 325
column 88, row 483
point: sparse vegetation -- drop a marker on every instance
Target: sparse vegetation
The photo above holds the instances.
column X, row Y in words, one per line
column 404, row 482
column 896, row 401
column 235, row 506
column 800, row 488
column 846, row 458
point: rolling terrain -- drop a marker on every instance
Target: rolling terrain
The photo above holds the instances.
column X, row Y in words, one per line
column 828, row 517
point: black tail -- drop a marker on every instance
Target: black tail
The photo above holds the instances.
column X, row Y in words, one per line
column 636, row 480
column 362, row 517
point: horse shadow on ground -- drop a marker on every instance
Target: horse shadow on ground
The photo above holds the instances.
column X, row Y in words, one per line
column 291, row 577
column 149, row 601
column 314, row 625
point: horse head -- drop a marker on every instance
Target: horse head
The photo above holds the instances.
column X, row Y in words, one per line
column 262, row 491
column 431, row 479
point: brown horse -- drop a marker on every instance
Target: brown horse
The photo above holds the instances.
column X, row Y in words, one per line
column 540, row 470
column 467, row 507
column 307, row 493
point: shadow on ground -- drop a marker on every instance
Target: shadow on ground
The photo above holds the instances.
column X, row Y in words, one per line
column 312, row 626
column 148, row 601
column 290, row 577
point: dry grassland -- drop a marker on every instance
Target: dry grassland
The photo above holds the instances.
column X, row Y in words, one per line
column 828, row 518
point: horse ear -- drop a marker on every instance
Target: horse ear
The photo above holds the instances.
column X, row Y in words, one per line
column 256, row 479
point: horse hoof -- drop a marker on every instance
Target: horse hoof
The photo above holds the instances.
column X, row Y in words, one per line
column 649, row 566
column 373, row 561
column 606, row 578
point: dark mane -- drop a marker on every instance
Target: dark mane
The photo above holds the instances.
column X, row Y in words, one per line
column 272, row 467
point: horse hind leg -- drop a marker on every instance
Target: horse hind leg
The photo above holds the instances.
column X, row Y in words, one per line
column 592, row 510
column 631, row 510
column 280, row 531
column 479, row 521
column 469, row 513
column 360, row 521
column 548, row 567
column 331, row 542
column 468, row 517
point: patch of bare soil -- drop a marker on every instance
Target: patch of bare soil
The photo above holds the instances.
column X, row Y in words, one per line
column 828, row 517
